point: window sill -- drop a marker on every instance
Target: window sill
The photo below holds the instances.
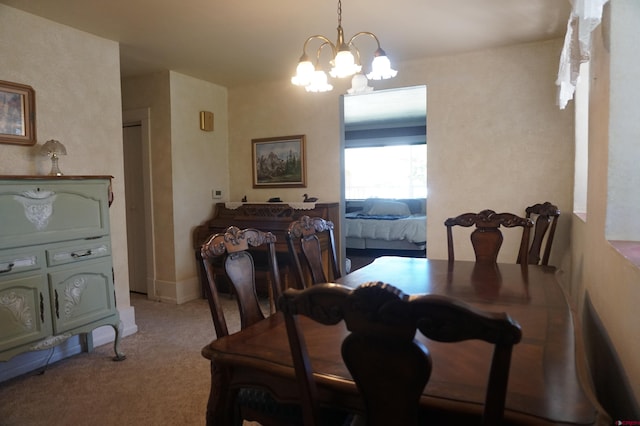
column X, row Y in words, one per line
column 629, row 249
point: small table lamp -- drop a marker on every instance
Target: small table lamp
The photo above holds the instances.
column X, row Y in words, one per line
column 53, row 149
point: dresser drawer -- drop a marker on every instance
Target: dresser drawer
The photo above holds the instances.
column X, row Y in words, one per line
column 17, row 261
column 78, row 251
column 44, row 211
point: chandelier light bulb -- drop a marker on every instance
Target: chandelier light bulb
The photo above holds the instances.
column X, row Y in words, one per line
column 344, row 65
column 381, row 69
column 304, row 73
column 319, row 82
column 359, row 84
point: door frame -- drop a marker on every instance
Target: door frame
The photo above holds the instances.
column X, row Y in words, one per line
column 141, row 116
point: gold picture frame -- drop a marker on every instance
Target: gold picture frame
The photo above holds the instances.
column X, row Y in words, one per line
column 279, row 162
column 17, row 114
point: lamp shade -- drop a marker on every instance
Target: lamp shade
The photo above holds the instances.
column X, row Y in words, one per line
column 53, row 147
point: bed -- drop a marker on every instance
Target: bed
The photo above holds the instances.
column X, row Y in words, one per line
column 385, row 224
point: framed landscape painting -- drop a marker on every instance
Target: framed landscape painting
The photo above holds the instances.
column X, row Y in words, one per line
column 17, row 114
column 279, row 162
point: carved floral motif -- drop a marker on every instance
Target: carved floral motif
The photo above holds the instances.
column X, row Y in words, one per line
column 72, row 295
column 38, row 206
column 17, row 305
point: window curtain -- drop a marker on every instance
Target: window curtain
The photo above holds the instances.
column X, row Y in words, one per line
column 585, row 17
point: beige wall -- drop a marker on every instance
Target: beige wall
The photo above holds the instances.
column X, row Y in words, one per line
column 152, row 92
column 186, row 164
column 76, row 79
column 496, row 138
column 200, row 165
column 610, row 279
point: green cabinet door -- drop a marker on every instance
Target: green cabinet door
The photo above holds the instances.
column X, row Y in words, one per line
column 81, row 295
column 24, row 311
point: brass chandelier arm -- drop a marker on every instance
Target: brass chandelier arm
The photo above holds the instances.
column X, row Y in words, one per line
column 368, row 33
column 325, row 41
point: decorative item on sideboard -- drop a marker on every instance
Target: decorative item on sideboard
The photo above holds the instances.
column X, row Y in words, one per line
column 308, row 199
column 53, row 149
column 18, row 117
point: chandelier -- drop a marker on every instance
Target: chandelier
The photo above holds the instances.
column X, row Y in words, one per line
column 343, row 63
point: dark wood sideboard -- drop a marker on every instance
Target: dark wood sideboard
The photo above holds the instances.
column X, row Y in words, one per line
column 271, row 217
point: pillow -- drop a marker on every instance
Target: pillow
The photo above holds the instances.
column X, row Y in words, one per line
column 388, row 208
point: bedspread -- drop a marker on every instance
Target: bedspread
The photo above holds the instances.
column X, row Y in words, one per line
column 411, row 228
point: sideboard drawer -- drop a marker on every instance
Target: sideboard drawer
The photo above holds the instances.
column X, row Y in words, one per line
column 37, row 212
column 78, row 251
column 17, row 261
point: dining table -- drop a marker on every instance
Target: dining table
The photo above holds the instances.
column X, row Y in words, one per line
column 548, row 381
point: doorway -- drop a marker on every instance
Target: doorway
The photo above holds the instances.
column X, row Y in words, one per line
column 384, row 157
column 135, row 137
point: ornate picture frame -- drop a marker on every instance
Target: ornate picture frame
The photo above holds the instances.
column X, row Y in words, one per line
column 279, row 162
column 17, row 114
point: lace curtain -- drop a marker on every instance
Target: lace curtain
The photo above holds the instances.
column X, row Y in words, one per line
column 585, row 17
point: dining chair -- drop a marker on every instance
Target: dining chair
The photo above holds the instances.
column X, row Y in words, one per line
column 545, row 216
column 303, row 240
column 389, row 366
column 230, row 251
column 487, row 237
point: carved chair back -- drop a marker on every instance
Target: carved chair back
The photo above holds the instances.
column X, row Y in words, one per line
column 233, row 246
column 304, row 242
column 487, row 237
column 389, row 366
column 545, row 216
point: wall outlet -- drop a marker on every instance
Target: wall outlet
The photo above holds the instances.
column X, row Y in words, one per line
column 216, row 193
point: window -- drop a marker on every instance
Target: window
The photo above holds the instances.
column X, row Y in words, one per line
column 397, row 171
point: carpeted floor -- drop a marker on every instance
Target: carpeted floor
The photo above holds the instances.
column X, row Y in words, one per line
column 164, row 380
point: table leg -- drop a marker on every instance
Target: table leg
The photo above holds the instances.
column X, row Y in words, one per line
column 219, row 410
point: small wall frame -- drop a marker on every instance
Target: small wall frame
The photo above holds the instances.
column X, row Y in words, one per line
column 279, row 162
column 17, row 114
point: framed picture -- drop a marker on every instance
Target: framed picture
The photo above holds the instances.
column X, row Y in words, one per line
column 279, row 162
column 17, row 114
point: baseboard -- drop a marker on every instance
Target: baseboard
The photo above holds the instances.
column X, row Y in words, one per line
column 178, row 292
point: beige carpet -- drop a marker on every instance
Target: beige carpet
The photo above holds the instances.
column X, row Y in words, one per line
column 163, row 381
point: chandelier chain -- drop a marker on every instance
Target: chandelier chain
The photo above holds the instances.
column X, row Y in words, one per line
column 339, row 13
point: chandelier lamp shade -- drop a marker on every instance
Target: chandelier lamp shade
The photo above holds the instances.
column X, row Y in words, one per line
column 345, row 61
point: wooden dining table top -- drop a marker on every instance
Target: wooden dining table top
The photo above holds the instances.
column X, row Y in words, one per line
column 548, row 381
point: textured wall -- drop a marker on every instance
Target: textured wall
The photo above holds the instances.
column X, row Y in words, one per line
column 186, row 164
column 200, row 164
column 495, row 137
column 599, row 269
column 76, row 79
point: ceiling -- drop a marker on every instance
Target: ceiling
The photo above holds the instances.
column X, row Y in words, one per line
column 235, row 42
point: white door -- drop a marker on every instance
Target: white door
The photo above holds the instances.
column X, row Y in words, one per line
column 134, row 197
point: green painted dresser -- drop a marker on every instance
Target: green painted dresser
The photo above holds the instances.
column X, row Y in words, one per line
column 56, row 273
